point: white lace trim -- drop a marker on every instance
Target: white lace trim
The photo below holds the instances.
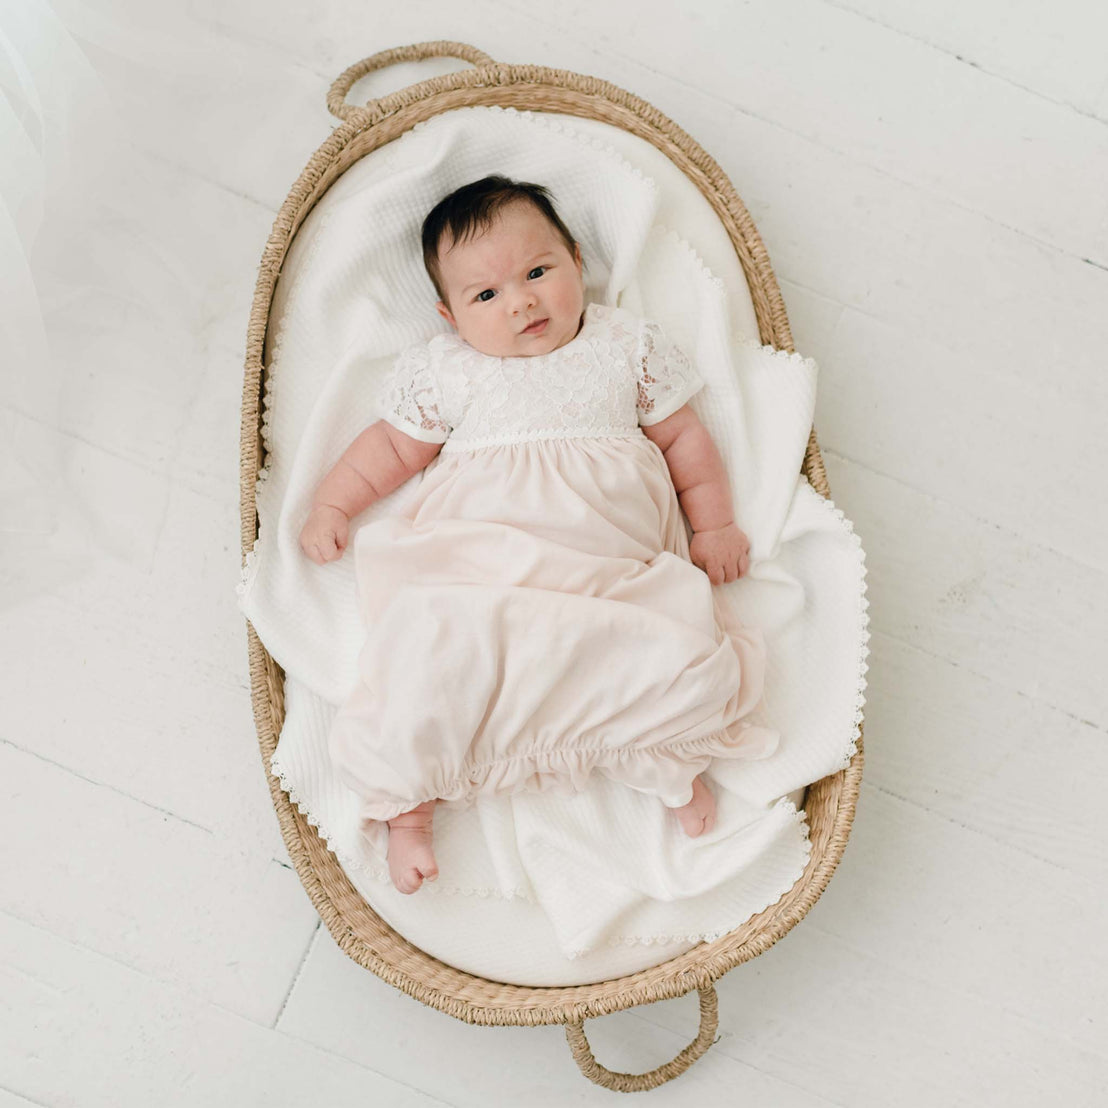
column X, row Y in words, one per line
column 412, row 395
column 664, row 374
column 662, row 232
column 512, row 438
column 618, row 370
column 862, row 613
column 747, row 343
column 270, row 375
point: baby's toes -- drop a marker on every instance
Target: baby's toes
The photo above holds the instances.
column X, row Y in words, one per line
column 691, row 821
column 417, row 865
column 425, row 865
column 407, row 880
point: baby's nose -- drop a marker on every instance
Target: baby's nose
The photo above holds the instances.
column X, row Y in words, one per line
column 524, row 300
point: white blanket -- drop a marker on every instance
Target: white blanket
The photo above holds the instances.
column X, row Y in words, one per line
column 605, row 866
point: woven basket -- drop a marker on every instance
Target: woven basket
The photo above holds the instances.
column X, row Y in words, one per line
column 353, row 924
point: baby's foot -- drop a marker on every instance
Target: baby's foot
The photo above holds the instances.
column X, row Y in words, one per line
column 411, row 859
column 698, row 817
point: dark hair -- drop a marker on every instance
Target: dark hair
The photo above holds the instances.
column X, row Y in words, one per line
column 472, row 208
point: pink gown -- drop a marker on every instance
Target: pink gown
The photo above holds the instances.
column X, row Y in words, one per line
column 532, row 615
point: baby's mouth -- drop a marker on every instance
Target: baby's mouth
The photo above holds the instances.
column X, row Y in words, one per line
column 536, row 327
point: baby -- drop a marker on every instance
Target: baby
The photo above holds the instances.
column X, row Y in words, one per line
column 509, row 277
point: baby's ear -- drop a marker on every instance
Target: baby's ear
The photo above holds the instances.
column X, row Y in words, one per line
column 444, row 311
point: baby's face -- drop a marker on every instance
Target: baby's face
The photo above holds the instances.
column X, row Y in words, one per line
column 514, row 290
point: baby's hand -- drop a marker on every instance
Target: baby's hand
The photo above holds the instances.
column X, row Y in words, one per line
column 324, row 536
column 723, row 554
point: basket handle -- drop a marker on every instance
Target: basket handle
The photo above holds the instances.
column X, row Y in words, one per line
column 639, row 1082
column 443, row 48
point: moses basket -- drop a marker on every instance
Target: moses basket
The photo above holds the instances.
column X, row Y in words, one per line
column 829, row 803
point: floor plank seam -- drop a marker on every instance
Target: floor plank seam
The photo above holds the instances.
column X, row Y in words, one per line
column 23, row 1097
column 854, row 158
column 908, row 969
column 1022, row 851
column 828, row 450
column 938, row 48
column 299, row 970
column 992, row 680
column 103, row 785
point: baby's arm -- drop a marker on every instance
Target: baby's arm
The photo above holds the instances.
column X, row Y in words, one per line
column 718, row 547
column 378, row 461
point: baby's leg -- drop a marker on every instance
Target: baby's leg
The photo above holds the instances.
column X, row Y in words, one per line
column 698, row 817
column 411, row 859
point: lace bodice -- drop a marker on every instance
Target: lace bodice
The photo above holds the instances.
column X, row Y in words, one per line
column 619, row 373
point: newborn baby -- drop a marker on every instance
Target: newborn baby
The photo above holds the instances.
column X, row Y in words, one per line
column 538, row 611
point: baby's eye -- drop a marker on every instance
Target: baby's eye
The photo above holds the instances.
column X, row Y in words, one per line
column 539, row 269
column 481, row 295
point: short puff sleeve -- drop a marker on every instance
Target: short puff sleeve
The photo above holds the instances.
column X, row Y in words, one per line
column 412, row 401
column 666, row 378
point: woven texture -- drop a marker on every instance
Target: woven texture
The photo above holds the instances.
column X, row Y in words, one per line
column 830, row 802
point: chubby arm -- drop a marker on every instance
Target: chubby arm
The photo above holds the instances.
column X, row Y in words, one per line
column 718, row 547
column 377, row 462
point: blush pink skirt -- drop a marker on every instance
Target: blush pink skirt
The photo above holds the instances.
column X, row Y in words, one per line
column 532, row 618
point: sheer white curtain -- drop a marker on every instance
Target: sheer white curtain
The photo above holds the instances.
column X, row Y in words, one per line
column 34, row 119
column 96, row 312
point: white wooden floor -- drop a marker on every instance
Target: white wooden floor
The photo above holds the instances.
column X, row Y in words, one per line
column 930, row 182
